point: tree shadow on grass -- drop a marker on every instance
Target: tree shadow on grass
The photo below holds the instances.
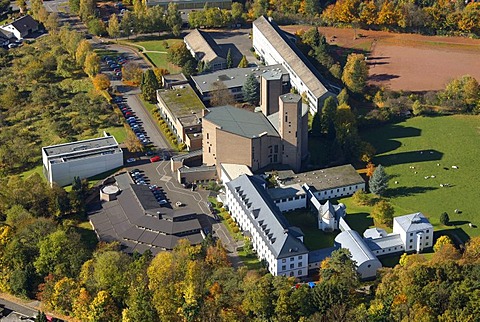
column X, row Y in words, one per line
column 458, row 223
column 383, row 140
column 359, row 221
column 457, row 235
column 407, row 191
column 408, row 157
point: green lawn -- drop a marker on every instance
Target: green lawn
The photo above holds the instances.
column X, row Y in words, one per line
column 432, row 145
column 156, row 43
column 118, row 133
column 314, row 238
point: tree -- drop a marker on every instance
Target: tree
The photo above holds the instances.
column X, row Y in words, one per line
column 442, row 241
column 74, row 6
column 444, row 219
column 220, row 95
column 251, row 90
column 243, row 62
column 383, row 212
column 132, row 142
column 379, row 181
column 355, row 73
column 237, row 12
column 41, row 317
column 96, row 27
column 113, row 27
column 327, row 122
column 229, row 59
column 84, row 48
column 173, row 19
column 22, row 5
column 86, row 10
column 178, row 54
column 109, row 274
column 140, row 303
column 360, row 198
column 370, row 169
column 61, row 253
column 149, row 86
column 131, row 72
column 92, row 64
column 317, row 124
column 103, row 308
column 189, row 67
column 101, row 82
column 52, row 23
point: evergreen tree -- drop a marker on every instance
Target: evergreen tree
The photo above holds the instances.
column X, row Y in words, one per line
column 251, row 90
column 444, row 219
column 149, row 85
column 243, row 63
column 113, row 27
column 379, row 181
column 329, row 111
column 317, row 124
column 189, row 67
column 229, row 59
column 41, row 317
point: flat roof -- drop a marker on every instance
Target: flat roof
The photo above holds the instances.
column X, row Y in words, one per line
column 241, row 122
column 181, row 100
column 82, row 146
column 286, row 191
column 234, row 171
column 344, row 175
column 236, row 77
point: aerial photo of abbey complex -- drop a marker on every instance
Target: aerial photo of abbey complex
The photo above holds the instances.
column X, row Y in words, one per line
column 234, row 160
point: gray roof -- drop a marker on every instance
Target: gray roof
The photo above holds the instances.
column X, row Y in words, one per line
column 413, row 222
column 182, row 101
column 125, row 220
column 317, row 256
column 204, row 45
column 236, row 77
column 352, row 241
column 184, row 156
column 293, row 56
column 286, row 192
column 241, row 122
column 374, row 233
column 83, row 146
column 265, row 217
column 389, row 241
column 25, row 23
column 323, row 179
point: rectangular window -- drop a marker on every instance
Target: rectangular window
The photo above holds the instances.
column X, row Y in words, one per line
column 209, row 150
column 300, row 272
column 284, row 260
column 299, row 264
column 286, row 118
column 410, row 246
column 426, row 237
column 275, row 149
column 284, row 267
column 291, row 259
column 300, row 257
column 411, row 234
column 292, row 266
column 208, row 135
column 411, row 240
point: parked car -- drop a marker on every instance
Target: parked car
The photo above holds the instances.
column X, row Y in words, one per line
column 149, row 153
column 155, row 159
column 130, row 160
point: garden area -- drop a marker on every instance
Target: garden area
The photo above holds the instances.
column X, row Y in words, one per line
column 155, row 49
column 432, row 164
column 314, row 238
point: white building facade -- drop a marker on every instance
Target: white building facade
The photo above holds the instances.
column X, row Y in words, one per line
column 280, row 247
column 83, row 159
column 273, row 47
column 415, row 231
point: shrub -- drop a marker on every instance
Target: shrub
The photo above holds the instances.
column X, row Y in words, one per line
column 444, row 219
column 236, row 229
column 360, row 198
column 220, row 205
column 226, row 216
column 229, row 221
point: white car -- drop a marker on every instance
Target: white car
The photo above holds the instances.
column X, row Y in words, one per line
column 130, row 160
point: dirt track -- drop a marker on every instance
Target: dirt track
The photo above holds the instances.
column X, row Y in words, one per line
column 408, row 61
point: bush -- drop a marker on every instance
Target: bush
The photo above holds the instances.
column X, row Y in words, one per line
column 444, row 219
column 220, row 205
column 229, row 221
column 226, row 215
column 236, row 229
column 360, row 198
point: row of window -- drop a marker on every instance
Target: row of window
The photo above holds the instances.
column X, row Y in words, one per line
column 300, row 273
column 300, row 257
column 292, row 266
column 290, row 199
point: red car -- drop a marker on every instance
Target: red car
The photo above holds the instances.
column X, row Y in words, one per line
column 155, row 159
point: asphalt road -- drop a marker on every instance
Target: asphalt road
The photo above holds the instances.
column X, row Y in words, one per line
column 19, row 309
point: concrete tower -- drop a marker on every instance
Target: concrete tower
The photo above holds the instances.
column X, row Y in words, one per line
column 270, row 90
column 290, row 129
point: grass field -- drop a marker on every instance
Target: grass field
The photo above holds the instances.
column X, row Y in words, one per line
column 314, row 238
column 432, row 145
column 156, row 51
